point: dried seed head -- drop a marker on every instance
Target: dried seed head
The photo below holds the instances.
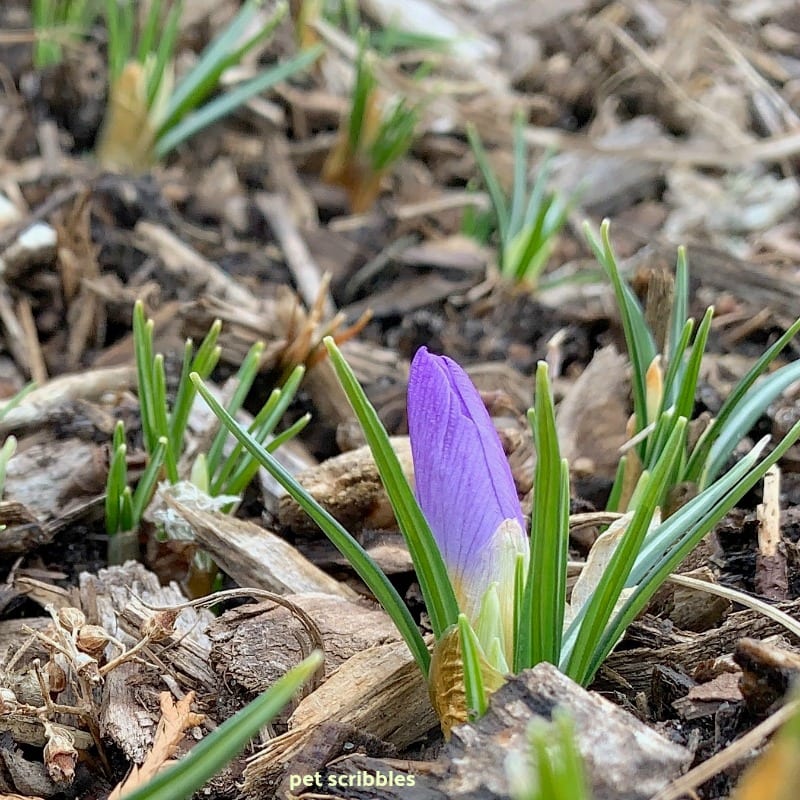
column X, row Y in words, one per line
column 8, row 701
column 56, row 678
column 71, row 618
column 160, row 626
column 60, row 755
column 92, row 639
column 87, row 668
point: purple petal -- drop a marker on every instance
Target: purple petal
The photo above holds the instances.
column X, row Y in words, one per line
column 463, row 481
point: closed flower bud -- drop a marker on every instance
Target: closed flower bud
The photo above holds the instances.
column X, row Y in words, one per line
column 467, row 493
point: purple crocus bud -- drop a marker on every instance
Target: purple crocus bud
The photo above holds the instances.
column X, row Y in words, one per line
column 465, row 488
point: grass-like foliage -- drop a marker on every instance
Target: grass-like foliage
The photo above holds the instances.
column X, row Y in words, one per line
column 664, row 385
column 56, row 23
column 148, row 115
column 374, row 136
column 215, row 472
column 219, row 748
column 527, row 224
column 554, row 770
column 497, row 601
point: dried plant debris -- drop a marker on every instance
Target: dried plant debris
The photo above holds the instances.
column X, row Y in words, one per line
column 68, row 688
column 350, row 488
column 176, row 719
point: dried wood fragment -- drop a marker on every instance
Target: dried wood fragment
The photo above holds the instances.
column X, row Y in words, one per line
column 22, row 531
column 33, row 347
column 45, row 402
column 307, row 274
column 759, row 285
column 771, row 578
column 379, row 692
column 689, row 608
column 623, row 758
column 256, row 557
column 38, row 477
column 593, row 414
column 767, row 672
column 292, row 336
column 685, row 650
column 611, row 182
column 176, row 719
column 192, row 270
column 241, row 637
column 707, row 699
column 110, row 599
column 350, row 488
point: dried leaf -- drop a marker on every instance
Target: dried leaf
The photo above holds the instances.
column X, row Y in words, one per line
column 176, row 718
column 596, row 562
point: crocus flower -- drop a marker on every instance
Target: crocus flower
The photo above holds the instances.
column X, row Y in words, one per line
column 465, row 489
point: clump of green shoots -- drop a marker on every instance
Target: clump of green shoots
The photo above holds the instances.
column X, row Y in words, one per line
column 216, row 473
column 147, row 115
column 664, row 383
column 375, row 135
column 56, row 23
column 627, row 564
column 526, row 224
column 554, row 770
column 575, row 634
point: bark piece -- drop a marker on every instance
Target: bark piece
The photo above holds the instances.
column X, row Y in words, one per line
column 767, row 672
column 47, row 402
column 110, row 599
column 176, row 719
column 379, row 692
column 350, row 488
column 41, row 476
column 684, row 650
column 707, row 699
column 592, row 416
column 256, row 557
column 610, row 183
column 623, row 758
column 241, row 637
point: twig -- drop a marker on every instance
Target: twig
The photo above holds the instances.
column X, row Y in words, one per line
column 684, row 99
column 307, row 274
column 771, row 572
column 54, row 201
column 15, row 335
column 769, row 514
column 186, row 264
column 781, row 617
column 36, row 363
